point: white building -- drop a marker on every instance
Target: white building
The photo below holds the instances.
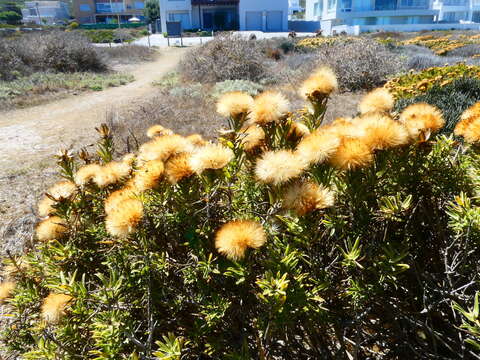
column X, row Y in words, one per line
column 294, row 7
column 454, row 11
column 45, row 12
column 355, row 16
column 261, row 15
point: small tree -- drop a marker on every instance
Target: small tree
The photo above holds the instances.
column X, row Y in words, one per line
column 10, row 17
column 152, row 11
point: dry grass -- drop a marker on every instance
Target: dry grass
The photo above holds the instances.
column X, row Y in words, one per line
column 126, row 54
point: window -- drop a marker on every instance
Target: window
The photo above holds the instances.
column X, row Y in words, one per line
column 318, row 8
column 332, row 4
column 84, row 7
column 139, row 5
column 346, row 5
column 416, row 3
column 385, row 4
column 363, row 5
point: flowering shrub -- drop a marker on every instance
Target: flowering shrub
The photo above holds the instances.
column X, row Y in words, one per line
column 442, row 45
column 286, row 239
column 416, row 83
column 313, row 43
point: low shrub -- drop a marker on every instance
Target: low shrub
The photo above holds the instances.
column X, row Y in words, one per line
column 194, row 90
column 314, row 43
column 125, row 54
column 360, row 64
column 39, row 87
column 52, row 51
column 245, row 86
column 171, row 79
column 453, row 99
column 416, row 83
column 228, row 57
column 466, row 51
column 342, row 243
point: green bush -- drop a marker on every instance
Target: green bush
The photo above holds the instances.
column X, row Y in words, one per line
column 453, row 99
column 341, row 244
column 100, row 36
column 245, row 86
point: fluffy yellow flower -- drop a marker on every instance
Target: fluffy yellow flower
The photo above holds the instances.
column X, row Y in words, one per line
column 6, row 290
column 210, row 156
column 162, row 148
column 421, row 120
column 318, row 147
column 54, row 306
column 304, row 197
column 269, row 106
column 252, row 137
column 116, row 197
column 149, row 175
column 469, row 124
column 278, row 167
column 352, row 153
column 382, row 132
column 235, row 237
column 158, row 130
column 61, row 190
column 378, row 100
column 178, row 168
column 321, row 83
column 112, row 173
column 124, row 219
column 86, row 173
column 51, row 228
column 196, row 139
column 234, row 103
column 298, row 130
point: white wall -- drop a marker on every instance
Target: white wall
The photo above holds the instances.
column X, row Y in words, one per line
column 168, row 6
column 263, row 6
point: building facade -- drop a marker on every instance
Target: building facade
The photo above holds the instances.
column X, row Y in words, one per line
column 457, row 11
column 107, row 11
column 45, row 12
column 355, row 16
column 261, row 15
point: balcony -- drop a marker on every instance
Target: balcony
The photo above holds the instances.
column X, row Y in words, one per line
column 215, row 2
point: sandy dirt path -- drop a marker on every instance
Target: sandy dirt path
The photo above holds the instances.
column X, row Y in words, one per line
column 35, row 133
column 30, row 137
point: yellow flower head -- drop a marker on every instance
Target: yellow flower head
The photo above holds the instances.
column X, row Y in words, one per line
column 278, row 167
column 124, row 219
column 112, row 173
column 321, row 83
column 54, row 306
column 210, row 156
column 352, row 153
column 61, row 190
column 196, row 139
column 149, row 175
column 318, row 147
column 269, row 106
column 86, row 173
column 6, row 290
column 234, row 103
column 379, row 100
column 51, row 228
column 178, row 168
column 469, row 124
column 116, row 197
column 235, row 237
column 252, row 137
column 421, row 120
column 162, row 148
column 298, row 130
column 304, row 197
column 158, row 130
column 129, row 159
column 382, row 132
